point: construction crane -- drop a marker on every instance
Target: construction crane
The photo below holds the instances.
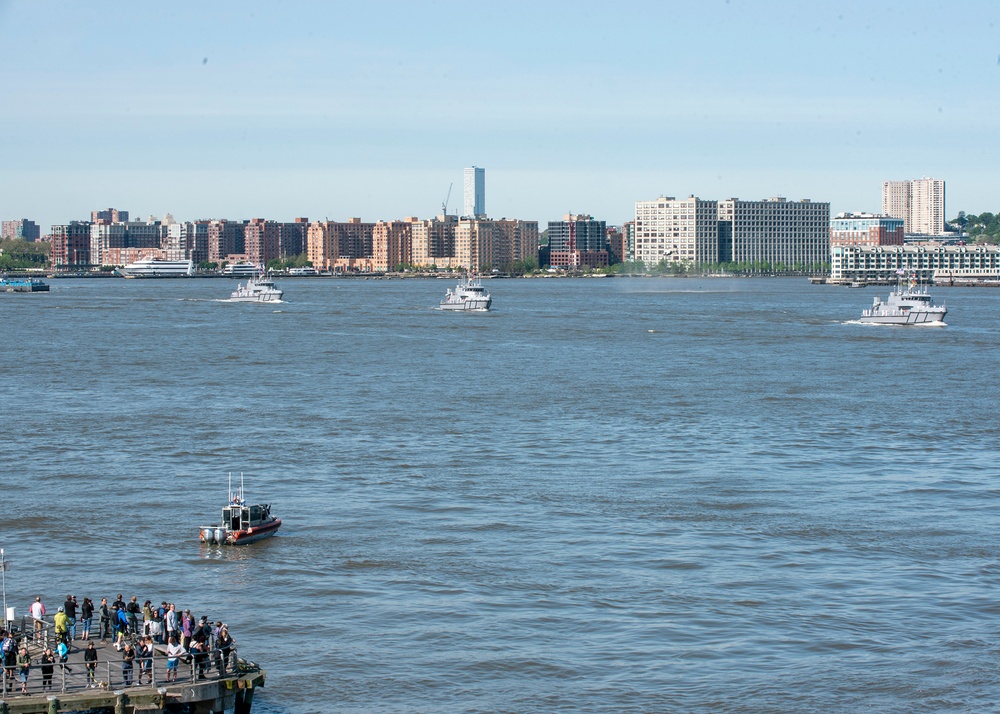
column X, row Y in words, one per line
column 444, row 206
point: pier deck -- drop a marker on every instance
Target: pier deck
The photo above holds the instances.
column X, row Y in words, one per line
column 70, row 691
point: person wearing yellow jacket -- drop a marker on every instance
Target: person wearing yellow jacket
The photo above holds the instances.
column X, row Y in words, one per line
column 62, row 625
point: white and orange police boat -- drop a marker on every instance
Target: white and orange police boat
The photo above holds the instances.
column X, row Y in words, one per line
column 242, row 522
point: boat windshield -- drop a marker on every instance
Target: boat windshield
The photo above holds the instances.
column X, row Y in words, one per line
column 234, row 518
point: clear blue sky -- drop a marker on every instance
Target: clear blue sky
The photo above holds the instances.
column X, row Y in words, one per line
column 336, row 109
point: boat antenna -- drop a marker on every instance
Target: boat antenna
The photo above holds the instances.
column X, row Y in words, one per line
column 241, row 485
column 230, row 498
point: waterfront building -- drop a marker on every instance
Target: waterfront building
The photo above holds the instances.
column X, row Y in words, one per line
column 225, row 238
column 261, row 240
column 578, row 241
column 126, row 256
column 110, row 215
column 474, row 244
column 352, row 238
column 433, row 241
column 292, row 238
column 392, row 244
column 474, row 204
column 186, row 241
column 71, row 245
column 920, row 203
column 319, row 246
column 20, row 229
column 865, row 229
column 354, row 265
column 937, row 263
column 106, row 236
column 628, row 238
column 795, row 234
column 616, row 245
column 514, row 241
column 676, row 231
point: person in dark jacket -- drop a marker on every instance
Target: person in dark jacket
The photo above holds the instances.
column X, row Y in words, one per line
column 70, row 607
column 86, row 617
column 133, row 611
column 90, row 662
column 104, row 612
column 128, row 657
column 48, row 663
column 224, row 644
column 199, row 650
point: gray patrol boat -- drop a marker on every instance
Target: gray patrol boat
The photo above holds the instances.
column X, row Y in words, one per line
column 907, row 305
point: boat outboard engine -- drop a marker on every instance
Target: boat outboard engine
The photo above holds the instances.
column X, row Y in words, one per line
column 206, row 535
column 220, row 536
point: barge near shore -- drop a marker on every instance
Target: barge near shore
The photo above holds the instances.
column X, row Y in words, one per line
column 23, row 285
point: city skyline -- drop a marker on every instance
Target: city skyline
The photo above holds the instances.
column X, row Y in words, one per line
column 186, row 112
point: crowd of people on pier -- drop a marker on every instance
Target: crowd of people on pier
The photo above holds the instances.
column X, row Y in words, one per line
column 138, row 632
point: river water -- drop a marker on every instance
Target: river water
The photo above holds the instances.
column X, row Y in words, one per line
column 603, row 495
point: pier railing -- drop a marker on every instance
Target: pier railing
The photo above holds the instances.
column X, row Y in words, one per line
column 115, row 674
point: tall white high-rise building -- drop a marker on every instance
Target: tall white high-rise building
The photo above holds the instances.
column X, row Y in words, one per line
column 475, row 192
column 677, row 231
column 919, row 203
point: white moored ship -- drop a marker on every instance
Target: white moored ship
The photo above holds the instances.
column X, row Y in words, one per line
column 240, row 270
column 907, row 305
column 467, row 295
column 157, row 268
column 257, row 289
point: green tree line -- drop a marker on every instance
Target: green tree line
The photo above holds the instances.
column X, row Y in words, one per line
column 984, row 228
column 20, row 254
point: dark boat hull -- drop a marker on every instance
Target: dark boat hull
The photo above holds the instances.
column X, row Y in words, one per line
column 252, row 535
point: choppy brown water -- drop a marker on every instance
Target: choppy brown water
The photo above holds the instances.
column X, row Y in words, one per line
column 604, row 495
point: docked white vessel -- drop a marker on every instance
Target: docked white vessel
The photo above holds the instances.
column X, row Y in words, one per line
column 907, row 305
column 240, row 270
column 157, row 268
column 467, row 295
column 257, row 289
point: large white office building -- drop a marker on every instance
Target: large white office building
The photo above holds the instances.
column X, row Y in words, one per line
column 919, row 203
column 676, row 230
column 775, row 231
column 475, row 192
